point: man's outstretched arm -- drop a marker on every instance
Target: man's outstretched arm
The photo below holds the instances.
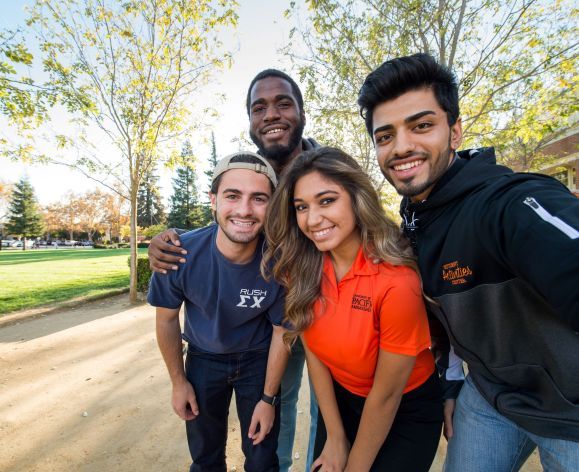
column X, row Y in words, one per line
column 264, row 413
column 165, row 252
column 538, row 234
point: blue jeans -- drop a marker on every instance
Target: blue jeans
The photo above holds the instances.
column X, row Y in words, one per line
column 486, row 441
column 214, row 378
column 290, row 387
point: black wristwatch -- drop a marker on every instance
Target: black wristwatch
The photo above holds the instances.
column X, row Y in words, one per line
column 273, row 401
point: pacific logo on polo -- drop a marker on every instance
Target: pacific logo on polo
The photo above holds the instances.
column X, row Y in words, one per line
column 251, row 298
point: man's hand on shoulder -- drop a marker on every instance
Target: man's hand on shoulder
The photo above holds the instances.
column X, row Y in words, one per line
column 184, row 401
column 166, row 242
column 263, row 416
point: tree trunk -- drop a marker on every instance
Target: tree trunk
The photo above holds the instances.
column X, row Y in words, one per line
column 133, row 264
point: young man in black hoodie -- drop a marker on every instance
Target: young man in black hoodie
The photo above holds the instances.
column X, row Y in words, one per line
column 499, row 256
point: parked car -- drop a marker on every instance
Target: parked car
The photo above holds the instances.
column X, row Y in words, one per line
column 18, row 244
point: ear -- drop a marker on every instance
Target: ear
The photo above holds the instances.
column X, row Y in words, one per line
column 213, row 200
column 456, row 134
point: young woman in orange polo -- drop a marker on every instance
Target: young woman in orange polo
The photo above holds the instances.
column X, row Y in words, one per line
column 354, row 296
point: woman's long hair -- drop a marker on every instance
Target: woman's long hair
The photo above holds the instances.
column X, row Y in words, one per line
column 293, row 259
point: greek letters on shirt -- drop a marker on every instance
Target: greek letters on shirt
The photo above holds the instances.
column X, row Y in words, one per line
column 251, row 298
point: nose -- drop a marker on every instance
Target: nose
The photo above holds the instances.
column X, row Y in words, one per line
column 314, row 217
column 245, row 207
column 271, row 113
column 403, row 144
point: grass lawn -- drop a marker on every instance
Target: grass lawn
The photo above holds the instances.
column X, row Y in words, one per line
column 38, row 277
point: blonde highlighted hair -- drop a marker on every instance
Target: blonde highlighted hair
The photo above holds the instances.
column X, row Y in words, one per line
column 293, row 259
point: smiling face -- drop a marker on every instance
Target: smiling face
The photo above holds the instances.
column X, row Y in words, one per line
column 325, row 215
column 240, row 205
column 414, row 143
column 276, row 122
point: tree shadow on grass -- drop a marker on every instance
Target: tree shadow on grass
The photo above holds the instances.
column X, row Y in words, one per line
column 32, row 297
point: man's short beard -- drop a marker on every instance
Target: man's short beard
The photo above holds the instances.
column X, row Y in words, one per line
column 243, row 239
column 280, row 154
column 438, row 172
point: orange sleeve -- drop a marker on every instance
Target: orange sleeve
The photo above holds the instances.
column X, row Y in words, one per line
column 403, row 321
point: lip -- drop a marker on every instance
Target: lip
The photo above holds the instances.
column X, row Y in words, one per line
column 322, row 234
column 274, row 130
column 405, row 168
column 243, row 225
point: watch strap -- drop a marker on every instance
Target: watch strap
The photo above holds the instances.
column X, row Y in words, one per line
column 270, row 400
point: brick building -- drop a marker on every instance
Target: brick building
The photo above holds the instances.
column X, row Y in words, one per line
column 565, row 166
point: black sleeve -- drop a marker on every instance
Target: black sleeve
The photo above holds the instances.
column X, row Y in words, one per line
column 536, row 232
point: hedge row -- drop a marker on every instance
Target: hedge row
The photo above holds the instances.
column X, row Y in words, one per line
column 143, row 273
column 120, row 245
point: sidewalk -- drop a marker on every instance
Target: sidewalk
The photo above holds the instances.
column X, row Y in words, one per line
column 85, row 389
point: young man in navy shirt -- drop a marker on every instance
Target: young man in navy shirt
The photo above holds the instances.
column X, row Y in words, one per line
column 275, row 109
column 232, row 323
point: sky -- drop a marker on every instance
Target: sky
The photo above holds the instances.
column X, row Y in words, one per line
column 262, row 30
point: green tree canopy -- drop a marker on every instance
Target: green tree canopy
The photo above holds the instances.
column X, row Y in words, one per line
column 150, row 208
column 24, row 218
column 133, row 68
column 516, row 62
column 212, row 159
column 22, row 101
column 187, row 212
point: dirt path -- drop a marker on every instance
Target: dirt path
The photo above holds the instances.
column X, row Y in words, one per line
column 85, row 389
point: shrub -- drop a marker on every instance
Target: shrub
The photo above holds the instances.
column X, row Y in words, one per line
column 153, row 231
column 143, row 273
column 143, row 244
column 105, row 246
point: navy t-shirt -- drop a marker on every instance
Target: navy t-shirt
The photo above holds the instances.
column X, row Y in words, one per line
column 228, row 307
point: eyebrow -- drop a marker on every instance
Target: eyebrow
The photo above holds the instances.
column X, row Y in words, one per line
column 318, row 195
column 239, row 192
column 260, row 194
column 407, row 120
column 277, row 99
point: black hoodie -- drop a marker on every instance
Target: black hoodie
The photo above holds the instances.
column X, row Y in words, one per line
column 499, row 254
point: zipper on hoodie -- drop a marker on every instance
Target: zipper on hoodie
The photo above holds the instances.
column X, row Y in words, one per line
column 553, row 220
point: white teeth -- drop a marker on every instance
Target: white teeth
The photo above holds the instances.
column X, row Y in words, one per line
column 276, row 130
column 408, row 165
column 245, row 224
column 322, row 233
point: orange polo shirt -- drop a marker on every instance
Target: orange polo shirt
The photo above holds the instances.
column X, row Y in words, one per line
column 374, row 306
